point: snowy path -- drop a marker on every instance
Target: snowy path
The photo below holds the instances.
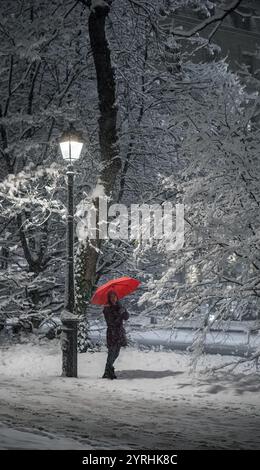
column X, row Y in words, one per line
column 154, row 403
column 16, row 439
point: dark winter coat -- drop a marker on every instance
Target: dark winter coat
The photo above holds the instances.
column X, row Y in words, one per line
column 114, row 316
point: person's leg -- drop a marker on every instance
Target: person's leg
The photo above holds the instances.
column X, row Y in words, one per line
column 115, row 356
column 108, row 369
column 112, row 355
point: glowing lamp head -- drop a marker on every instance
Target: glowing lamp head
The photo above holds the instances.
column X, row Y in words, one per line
column 71, row 144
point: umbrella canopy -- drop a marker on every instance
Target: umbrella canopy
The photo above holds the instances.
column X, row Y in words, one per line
column 121, row 286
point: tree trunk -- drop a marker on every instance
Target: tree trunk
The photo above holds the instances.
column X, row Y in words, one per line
column 87, row 255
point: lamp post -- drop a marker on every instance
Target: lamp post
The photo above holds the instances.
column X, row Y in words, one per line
column 71, row 144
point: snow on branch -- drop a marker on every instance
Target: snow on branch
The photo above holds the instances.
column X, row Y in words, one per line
column 30, row 190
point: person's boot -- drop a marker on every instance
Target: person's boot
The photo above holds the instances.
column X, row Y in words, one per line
column 113, row 372
column 108, row 374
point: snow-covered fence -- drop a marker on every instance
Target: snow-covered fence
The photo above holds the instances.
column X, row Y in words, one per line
column 216, row 342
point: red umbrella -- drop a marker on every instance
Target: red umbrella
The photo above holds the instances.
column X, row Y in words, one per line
column 122, row 286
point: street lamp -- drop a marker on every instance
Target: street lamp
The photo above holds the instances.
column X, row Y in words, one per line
column 71, row 144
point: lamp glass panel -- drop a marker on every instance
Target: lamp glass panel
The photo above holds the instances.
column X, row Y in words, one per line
column 76, row 148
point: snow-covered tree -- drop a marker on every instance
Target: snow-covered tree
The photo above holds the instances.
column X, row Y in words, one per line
column 158, row 120
column 218, row 181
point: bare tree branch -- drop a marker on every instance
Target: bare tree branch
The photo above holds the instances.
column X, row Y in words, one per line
column 219, row 18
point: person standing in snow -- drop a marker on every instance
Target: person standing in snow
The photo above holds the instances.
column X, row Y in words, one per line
column 114, row 314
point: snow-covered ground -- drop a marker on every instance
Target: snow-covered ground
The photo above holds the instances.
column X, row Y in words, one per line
column 15, row 439
column 156, row 403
